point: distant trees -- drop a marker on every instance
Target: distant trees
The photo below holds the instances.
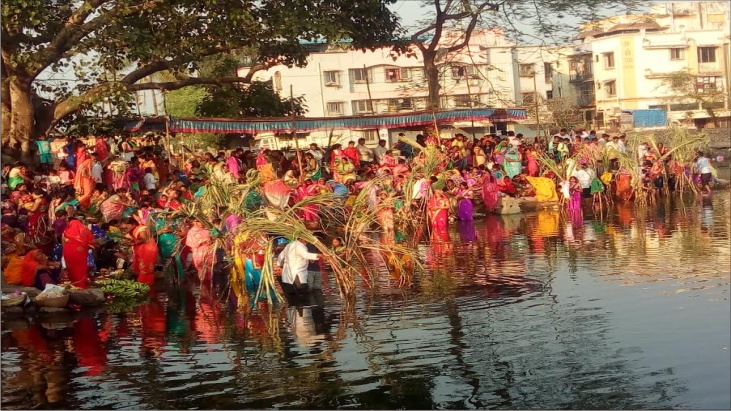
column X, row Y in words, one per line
column 112, row 45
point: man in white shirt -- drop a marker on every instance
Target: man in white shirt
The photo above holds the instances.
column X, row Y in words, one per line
column 316, row 152
column 293, row 260
column 702, row 165
column 365, row 154
column 380, row 151
column 622, row 145
column 584, row 177
column 97, row 170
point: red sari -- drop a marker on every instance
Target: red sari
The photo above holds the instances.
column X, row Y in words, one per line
column 101, row 149
column 77, row 241
column 145, row 254
column 438, row 209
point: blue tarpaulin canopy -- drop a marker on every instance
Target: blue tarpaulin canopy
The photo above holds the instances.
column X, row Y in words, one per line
column 304, row 124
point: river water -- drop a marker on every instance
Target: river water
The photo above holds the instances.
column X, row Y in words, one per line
column 627, row 310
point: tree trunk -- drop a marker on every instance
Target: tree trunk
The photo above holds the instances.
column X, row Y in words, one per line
column 6, row 107
column 431, row 72
column 21, row 118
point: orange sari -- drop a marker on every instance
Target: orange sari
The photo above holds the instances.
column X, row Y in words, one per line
column 84, row 183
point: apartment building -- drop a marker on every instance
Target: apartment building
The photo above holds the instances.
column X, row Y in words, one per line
column 633, row 56
column 338, row 81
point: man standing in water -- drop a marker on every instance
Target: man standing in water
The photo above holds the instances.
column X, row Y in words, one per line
column 294, row 261
column 702, row 166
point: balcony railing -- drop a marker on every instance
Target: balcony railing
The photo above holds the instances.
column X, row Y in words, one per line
column 709, row 68
column 580, row 77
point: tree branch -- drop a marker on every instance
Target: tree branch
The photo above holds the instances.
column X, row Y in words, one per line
column 192, row 81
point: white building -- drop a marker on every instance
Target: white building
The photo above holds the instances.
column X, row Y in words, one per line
column 338, row 81
column 633, row 55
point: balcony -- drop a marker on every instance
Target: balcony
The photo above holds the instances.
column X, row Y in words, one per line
column 709, row 68
column 576, row 77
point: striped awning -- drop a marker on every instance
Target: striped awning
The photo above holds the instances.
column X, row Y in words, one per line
column 288, row 125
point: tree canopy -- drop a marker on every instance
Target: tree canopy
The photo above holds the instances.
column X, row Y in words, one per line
column 111, row 45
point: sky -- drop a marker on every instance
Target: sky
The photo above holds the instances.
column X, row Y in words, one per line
column 411, row 11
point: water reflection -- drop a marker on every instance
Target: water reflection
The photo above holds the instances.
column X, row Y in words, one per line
column 525, row 311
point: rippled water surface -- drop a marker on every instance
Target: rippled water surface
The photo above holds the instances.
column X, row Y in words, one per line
column 625, row 310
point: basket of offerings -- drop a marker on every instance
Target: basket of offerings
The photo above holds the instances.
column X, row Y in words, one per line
column 10, row 300
column 53, row 296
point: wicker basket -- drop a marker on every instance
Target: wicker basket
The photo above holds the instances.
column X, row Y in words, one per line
column 13, row 301
column 53, row 302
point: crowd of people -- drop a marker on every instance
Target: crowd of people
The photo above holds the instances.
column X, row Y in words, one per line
column 98, row 204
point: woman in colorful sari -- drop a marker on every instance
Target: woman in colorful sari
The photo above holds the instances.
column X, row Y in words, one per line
column 310, row 211
column 39, row 229
column 144, row 254
column 38, row 271
column 478, row 155
column 77, row 241
column 464, row 205
column 84, row 182
column 438, row 210
column 512, row 163
column 264, row 165
column 344, row 170
column 490, row 192
column 575, row 195
column 498, row 153
column 115, row 207
column 168, row 243
column 313, row 170
column 249, row 259
column 531, row 156
column 385, row 212
column 200, row 242
column 624, row 185
column 18, row 175
column 101, row 149
column 118, row 168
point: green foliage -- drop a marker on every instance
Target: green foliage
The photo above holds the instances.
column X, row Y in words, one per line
column 257, row 100
column 183, row 102
column 110, row 46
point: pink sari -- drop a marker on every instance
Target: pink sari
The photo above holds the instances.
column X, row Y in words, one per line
column 438, row 209
column 200, row 240
column 490, row 192
column 111, row 209
column 309, row 211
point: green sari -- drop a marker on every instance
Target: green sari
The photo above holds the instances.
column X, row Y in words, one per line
column 167, row 243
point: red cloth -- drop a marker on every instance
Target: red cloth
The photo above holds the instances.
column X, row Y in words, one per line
column 88, row 348
column 101, row 149
column 31, row 261
column 145, row 255
column 353, row 155
column 77, row 241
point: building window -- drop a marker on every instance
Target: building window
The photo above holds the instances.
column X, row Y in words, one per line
column 677, row 54
column 549, row 94
column 608, row 60
column 397, row 74
column 332, row 78
column 359, row 75
column 526, row 70
column 708, row 84
column 335, row 108
column 464, row 100
column 371, row 136
column 611, row 88
column 684, row 107
column 706, row 54
column 462, row 72
column 528, row 98
column 548, row 72
column 362, row 106
column 400, row 104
